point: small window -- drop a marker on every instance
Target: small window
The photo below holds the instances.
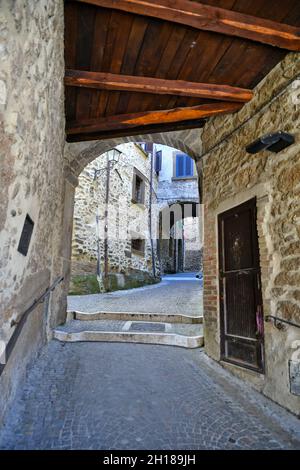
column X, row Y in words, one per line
column 138, row 245
column 26, row 236
column 184, row 166
column 158, row 161
column 138, row 188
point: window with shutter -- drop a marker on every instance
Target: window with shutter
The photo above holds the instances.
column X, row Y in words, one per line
column 184, row 166
column 158, row 161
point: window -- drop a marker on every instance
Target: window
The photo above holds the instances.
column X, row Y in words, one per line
column 138, row 188
column 158, row 161
column 146, row 146
column 138, row 246
column 184, row 166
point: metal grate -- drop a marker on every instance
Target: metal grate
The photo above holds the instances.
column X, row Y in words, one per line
column 148, row 327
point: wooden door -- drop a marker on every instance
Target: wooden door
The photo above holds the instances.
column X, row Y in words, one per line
column 240, row 287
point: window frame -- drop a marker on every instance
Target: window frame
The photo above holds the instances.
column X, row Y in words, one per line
column 135, row 251
column 183, row 177
column 138, row 174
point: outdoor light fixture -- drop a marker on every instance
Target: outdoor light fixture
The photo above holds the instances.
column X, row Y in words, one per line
column 113, row 157
column 272, row 142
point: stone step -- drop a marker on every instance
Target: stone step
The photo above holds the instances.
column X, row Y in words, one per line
column 135, row 316
column 171, row 334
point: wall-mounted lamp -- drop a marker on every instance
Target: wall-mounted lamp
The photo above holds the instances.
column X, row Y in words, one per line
column 113, row 157
column 272, row 142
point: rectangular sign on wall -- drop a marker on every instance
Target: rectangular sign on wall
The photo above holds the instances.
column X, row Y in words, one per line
column 294, row 370
column 26, row 236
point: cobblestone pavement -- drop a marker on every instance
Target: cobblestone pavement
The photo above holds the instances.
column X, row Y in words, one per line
column 132, row 396
column 169, row 296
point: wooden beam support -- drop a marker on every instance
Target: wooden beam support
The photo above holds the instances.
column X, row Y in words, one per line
column 137, row 131
column 127, row 121
column 210, row 18
column 109, row 81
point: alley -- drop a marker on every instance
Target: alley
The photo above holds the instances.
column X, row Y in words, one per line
column 170, row 296
column 150, row 224
column 130, row 396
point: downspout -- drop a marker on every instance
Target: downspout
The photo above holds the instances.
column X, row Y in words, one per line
column 150, row 216
column 106, row 225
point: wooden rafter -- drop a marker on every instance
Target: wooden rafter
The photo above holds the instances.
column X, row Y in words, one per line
column 109, row 81
column 210, row 18
column 127, row 121
column 177, row 126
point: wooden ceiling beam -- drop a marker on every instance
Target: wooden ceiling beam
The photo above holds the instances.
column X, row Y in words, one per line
column 127, row 121
column 137, row 131
column 210, row 18
column 109, row 81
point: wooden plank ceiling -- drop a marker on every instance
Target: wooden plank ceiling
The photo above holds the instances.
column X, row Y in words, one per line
column 142, row 66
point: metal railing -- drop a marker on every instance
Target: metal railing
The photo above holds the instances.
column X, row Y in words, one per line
column 22, row 320
column 278, row 322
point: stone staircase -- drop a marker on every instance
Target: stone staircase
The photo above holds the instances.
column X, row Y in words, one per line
column 147, row 328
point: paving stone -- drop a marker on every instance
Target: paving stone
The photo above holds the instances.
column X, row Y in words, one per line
column 132, row 396
column 165, row 297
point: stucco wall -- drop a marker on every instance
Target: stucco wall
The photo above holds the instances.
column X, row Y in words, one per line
column 32, row 140
column 232, row 176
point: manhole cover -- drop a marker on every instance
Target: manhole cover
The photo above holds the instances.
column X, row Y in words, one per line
column 157, row 327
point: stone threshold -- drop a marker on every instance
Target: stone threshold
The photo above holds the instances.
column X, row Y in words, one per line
column 135, row 316
column 168, row 339
column 182, row 335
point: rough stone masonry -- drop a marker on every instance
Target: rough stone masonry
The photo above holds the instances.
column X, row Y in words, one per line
column 232, row 176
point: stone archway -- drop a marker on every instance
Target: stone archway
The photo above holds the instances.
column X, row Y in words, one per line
column 76, row 157
column 172, row 244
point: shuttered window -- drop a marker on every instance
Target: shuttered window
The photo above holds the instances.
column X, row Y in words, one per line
column 184, row 166
column 158, row 161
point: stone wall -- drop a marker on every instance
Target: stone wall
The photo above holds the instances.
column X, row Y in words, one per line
column 192, row 244
column 32, row 141
column 124, row 216
column 232, row 176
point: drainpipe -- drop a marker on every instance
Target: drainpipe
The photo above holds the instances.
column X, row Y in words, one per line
column 99, row 273
column 106, row 224
column 150, row 216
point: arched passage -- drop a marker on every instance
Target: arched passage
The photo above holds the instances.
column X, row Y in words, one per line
column 78, row 155
column 179, row 225
column 90, row 200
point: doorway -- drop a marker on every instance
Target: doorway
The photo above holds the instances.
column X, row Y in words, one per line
column 241, row 315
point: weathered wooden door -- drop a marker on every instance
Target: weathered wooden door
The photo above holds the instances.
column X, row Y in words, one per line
column 240, row 287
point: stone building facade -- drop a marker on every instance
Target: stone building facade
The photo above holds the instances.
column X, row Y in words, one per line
column 32, row 177
column 233, row 176
column 182, row 251
column 128, row 219
column 176, row 253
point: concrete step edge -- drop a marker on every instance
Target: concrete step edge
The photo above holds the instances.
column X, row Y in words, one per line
column 168, row 339
column 138, row 316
